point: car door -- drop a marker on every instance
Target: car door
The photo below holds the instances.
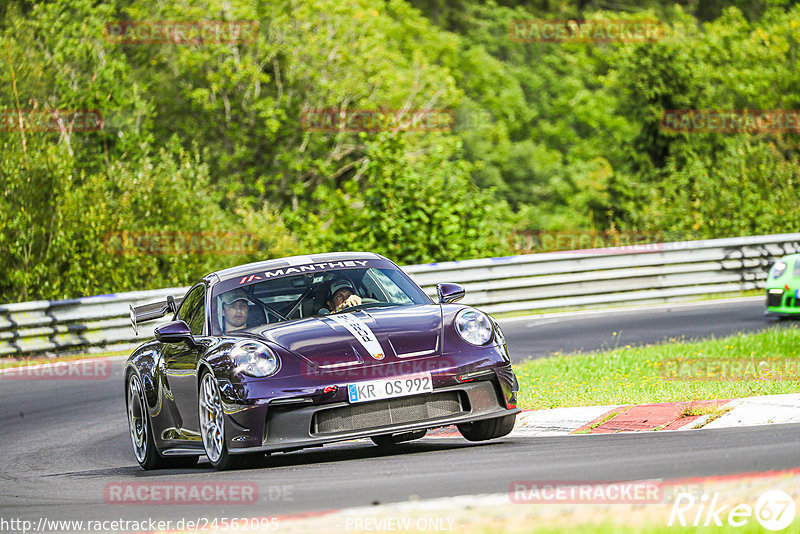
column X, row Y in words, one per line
column 180, row 361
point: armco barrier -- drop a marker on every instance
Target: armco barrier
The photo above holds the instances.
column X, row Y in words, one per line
column 640, row 273
column 61, row 325
column 635, row 274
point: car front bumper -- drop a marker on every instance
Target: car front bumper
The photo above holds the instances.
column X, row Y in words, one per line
column 294, row 425
column 781, row 302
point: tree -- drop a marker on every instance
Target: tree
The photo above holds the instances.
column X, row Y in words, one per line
column 411, row 208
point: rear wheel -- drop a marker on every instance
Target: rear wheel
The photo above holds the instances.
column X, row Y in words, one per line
column 141, row 431
column 390, row 440
column 212, row 428
column 488, row 428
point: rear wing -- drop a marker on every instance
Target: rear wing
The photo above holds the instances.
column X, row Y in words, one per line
column 151, row 312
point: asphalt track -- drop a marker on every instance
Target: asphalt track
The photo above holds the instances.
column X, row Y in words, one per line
column 545, row 335
column 64, row 441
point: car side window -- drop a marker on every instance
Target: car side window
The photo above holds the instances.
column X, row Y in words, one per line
column 386, row 286
column 192, row 310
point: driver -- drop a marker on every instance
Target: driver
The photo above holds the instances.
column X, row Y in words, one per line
column 234, row 310
column 343, row 295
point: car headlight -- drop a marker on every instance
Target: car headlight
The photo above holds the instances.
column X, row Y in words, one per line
column 778, row 269
column 474, row 327
column 254, row 358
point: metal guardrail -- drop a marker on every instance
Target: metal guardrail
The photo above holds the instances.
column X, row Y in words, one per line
column 58, row 326
column 639, row 274
column 634, row 274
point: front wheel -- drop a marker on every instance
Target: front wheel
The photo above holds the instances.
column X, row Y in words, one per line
column 488, row 428
column 212, row 428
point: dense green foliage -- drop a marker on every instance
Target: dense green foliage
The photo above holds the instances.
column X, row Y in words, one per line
column 208, row 137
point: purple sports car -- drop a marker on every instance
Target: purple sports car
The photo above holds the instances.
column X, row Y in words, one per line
column 298, row 352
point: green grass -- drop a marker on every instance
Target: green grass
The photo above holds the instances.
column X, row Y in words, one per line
column 714, row 409
column 743, row 365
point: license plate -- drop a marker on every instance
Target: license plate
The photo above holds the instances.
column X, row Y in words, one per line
column 797, row 293
column 390, row 388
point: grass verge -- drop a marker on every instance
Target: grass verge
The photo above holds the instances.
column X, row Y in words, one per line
column 743, row 365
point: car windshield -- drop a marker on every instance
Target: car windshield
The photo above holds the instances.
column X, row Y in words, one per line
column 288, row 298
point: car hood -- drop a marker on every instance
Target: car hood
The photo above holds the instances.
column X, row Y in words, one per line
column 363, row 337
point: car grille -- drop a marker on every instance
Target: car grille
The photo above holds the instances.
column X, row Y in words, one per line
column 387, row 412
column 774, row 299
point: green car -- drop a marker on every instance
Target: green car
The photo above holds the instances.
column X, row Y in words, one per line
column 783, row 287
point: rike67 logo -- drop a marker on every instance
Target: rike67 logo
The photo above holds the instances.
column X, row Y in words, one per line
column 774, row 510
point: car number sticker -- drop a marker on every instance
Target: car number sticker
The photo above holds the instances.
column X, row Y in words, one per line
column 390, row 388
column 361, row 332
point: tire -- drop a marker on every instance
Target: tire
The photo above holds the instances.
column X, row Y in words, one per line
column 141, row 431
column 488, row 428
column 390, row 440
column 212, row 428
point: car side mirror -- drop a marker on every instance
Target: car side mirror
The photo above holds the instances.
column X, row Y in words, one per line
column 175, row 332
column 449, row 293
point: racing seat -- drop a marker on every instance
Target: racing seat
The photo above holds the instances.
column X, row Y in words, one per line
column 255, row 316
column 319, row 300
column 309, row 307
